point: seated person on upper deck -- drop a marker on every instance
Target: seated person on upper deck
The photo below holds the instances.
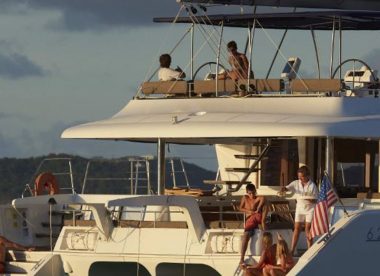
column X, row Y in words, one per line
column 252, row 205
column 239, row 64
column 165, row 73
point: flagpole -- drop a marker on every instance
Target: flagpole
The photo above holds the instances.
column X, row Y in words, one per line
column 336, row 194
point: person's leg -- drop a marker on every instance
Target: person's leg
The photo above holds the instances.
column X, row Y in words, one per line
column 309, row 239
column 244, row 246
column 296, row 234
column 250, row 271
column 277, row 272
column 266, row 271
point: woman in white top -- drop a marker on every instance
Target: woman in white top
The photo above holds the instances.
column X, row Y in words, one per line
column 166, row 73
column 307, row 194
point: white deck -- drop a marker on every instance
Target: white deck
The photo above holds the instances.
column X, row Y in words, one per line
column 236, row 119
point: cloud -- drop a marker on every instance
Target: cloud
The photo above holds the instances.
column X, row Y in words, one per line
column 79, row 15
column 16, row 66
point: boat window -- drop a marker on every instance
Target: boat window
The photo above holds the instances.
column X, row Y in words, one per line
column 356, row 168
column 132, row 213
column 117, row 269
column 280, row 166
column 172, row 269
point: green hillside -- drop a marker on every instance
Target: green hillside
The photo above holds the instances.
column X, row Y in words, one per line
column 104, row 175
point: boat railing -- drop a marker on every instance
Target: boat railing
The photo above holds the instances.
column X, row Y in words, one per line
column 242, row 88
column 51, row 165
column 125, row 218
column 135, row 176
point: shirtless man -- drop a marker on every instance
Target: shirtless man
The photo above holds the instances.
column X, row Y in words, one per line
column 7, row 244
column 238, row 61
column 252, row 206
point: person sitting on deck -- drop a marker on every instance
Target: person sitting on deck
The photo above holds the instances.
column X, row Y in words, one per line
column 268, row 256
column 239, row 64
column 252, row 205
column 284, row 259
column 165, row 73
column 4, row 246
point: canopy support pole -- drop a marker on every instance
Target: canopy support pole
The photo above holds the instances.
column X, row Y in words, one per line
column 340, row 47
column 275, row 55
column 332, row 48
column 277, row 50
column 161, row 143
column 316, row 52
column 329, row 157
column 218, row 59
column 192, row 52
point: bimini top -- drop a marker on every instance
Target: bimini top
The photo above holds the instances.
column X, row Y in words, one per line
column 321, row 20
column 236, row 120
column 371, row 5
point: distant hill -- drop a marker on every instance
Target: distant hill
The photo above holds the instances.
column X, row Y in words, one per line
column 15, row 173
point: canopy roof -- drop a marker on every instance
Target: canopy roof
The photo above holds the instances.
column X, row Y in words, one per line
column 231, row 120
column 321, row 20
column 321, row 4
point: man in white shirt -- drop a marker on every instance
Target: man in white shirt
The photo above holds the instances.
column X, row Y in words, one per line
column 166, row 73
column 307, row 194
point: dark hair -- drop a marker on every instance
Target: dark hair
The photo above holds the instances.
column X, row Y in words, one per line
column 232, row 44
column 304, row 170
column 165, row 60
column 250, row 187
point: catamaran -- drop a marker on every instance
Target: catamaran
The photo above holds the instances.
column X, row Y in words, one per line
column 263, row 128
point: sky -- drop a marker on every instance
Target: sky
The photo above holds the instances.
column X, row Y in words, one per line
column 65, row 62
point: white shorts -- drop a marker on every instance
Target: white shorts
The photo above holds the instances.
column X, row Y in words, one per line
column 304, row 216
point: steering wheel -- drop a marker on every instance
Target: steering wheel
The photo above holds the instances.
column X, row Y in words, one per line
column 210, row 68
column 354, row 60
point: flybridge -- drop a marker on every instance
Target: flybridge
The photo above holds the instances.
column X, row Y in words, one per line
column 372, row 5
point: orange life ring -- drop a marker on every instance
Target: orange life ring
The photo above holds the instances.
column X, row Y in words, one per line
column 46, row 181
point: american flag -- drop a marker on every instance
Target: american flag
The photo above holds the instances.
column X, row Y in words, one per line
column 326, row 198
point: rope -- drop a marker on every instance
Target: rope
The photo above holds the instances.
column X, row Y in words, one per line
column 276, row 47
column 223, row 42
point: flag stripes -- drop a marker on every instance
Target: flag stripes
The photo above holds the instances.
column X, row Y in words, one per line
column 326, row 198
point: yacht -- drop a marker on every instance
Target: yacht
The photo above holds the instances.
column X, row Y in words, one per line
column 263, row 129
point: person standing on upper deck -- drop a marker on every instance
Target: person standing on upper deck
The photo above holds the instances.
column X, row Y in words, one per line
column 307, row 194
column 165, row 73
column 238, row 61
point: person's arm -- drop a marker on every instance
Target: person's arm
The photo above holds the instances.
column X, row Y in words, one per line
column 182, row 74
column 289, row 187
column 261, row 200
column 315, row 193
column 261, row 261
column 242, row 205
column 246, row 65
column 281, row 266
column 12, row 245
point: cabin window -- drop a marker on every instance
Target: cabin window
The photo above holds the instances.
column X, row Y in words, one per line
column 280, row 166
column 118, row 269
column 172, row 269
column 356, row 166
